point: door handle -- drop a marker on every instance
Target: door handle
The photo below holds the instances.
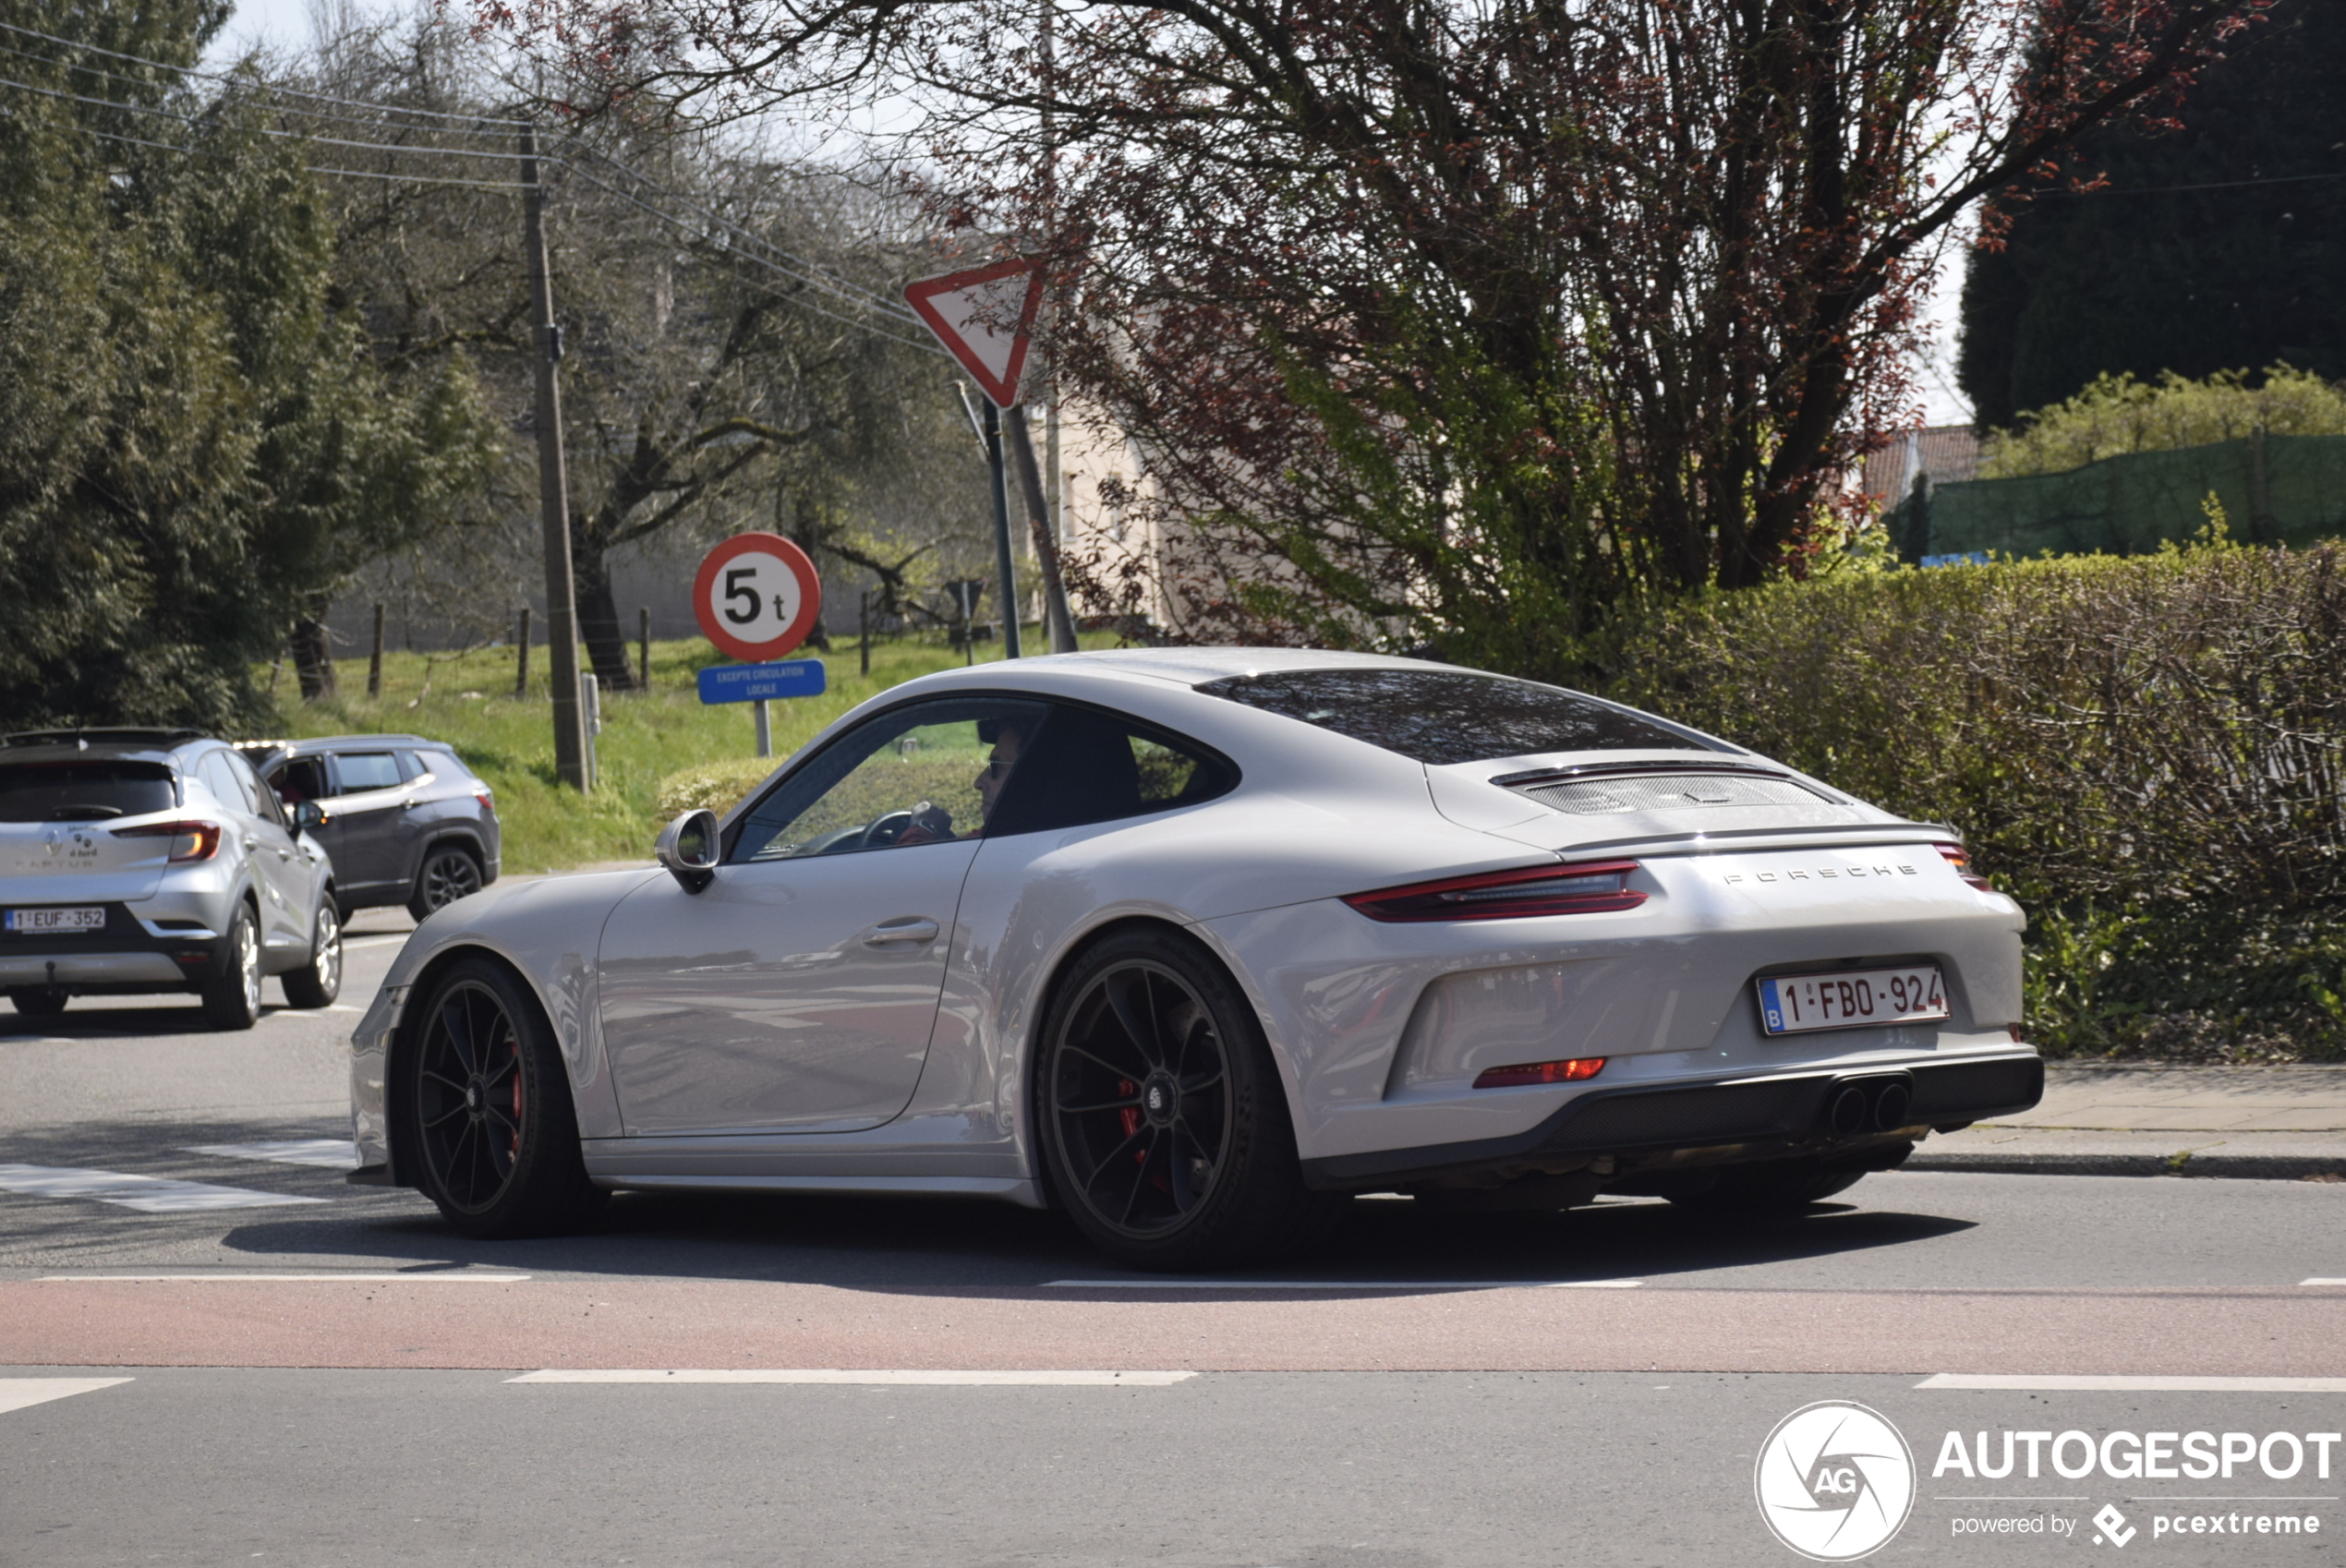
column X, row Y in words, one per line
column 904, row 930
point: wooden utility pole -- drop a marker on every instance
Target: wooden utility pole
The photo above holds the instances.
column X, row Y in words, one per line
column 375, row 658
column 521, row 645
column 644, row 648
column 553, row 489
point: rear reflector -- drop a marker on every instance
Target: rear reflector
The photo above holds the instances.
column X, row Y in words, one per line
column 1572, row 1071
column 1589, row 889
column 190, row 840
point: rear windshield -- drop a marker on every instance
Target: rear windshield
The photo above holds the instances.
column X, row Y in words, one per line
column 83, row 791
column 1446, row 715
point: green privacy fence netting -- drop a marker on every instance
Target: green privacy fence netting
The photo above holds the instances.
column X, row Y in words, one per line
column 2275, row 490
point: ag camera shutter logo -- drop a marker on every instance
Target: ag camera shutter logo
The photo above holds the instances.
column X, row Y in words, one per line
column 1834, row 1481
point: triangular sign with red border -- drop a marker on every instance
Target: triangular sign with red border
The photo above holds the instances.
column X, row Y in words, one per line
column 983, row 317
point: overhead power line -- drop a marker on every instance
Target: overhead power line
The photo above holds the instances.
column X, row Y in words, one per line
column 747, row 246
column 221, row 77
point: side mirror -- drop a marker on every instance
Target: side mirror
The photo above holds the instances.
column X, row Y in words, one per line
column 688, row 847
column 309, row 815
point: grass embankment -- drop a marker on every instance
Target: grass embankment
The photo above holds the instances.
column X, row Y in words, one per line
column 467, row 701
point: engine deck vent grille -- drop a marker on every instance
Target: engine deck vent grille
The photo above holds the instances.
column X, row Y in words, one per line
column 1618, row 793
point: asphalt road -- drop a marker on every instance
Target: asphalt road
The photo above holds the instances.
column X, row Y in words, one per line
column 334, row 1383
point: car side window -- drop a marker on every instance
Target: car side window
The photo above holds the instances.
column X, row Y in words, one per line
column 1088, row 766
column 411, row 768
column 263, row 804
column 366, row 770
column 920, row 774
column 223, row 782
column 300, row 780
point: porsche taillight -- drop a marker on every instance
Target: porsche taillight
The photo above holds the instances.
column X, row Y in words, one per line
column 1589, row 888
column 1576, row 1069
column 1958, row 857
column 190, row 840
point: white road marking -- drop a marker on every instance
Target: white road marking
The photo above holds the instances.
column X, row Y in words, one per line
column 333, row 1153
column 373, row 941
column 149, row 1194
column 1341, row 1284
column 17, row 1392
column 2320, row 1281
column 830, row 1375
column 2089, row 1383
column 419, row 1277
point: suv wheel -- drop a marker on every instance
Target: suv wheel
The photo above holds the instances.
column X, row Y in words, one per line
column 319, row 982
column 233, row 1000
column 449, row 873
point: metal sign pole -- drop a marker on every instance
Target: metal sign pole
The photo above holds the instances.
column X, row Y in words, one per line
column 764, row 729
column 1002, row 529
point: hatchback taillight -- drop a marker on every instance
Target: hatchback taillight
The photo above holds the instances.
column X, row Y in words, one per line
column 1961, row 859
column 190, row 840
column 1589, row 889
column 487, row 801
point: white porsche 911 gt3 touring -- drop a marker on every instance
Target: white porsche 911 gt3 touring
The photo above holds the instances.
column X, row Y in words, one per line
column 1193, row 945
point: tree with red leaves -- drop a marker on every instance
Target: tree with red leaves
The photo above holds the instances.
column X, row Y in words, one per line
column 1466, row 323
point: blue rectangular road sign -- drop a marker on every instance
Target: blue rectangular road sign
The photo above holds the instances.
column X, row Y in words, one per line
column 756, row 683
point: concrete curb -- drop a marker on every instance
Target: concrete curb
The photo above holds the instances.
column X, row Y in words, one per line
column 2246, row 1168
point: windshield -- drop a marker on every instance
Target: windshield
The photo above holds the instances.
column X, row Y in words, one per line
column 1446, row 715
column 83, row 790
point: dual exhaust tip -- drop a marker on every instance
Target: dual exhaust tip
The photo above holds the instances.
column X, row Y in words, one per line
column 1868, row 1106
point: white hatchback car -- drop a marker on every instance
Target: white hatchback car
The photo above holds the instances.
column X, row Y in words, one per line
column 143, row 860
column 1194, row 943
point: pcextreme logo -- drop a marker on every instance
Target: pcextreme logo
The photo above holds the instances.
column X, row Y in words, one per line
column 1834, row 1481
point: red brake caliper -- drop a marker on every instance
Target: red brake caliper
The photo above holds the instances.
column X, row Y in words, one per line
column 1129, row 1118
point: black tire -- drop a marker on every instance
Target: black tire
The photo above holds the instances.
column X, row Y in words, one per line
column 484, row 1090
column 232, row 998
column 319, row 982
column 1152, row 1063
column 1773, row 1187
column 39, row 1001
column 449, row 872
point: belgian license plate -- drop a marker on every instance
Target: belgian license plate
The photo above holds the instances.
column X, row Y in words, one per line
column 1797, row 1003
column 36, row 922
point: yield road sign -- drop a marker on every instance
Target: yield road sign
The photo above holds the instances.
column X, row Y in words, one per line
column 760, row 682
column 757, row 595
column 983, row 317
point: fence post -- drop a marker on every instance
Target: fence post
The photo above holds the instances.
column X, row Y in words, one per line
column 863, row 627
column 644, row 648
column 521, row 643
column 375, row 658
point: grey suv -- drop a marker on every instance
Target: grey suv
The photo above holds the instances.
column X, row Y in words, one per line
column 154, row 860
column 405, row 822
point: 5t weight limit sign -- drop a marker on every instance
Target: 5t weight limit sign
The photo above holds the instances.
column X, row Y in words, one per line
column 757, row 595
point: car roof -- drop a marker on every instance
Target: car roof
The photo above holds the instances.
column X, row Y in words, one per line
column 309, row 743
column 126, row 743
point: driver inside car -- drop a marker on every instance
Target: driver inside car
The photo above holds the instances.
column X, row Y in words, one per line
column 932, row 824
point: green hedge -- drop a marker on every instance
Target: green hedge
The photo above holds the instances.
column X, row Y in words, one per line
column 2148, row 752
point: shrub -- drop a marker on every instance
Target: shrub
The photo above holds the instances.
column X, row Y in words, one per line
column 714, row 786
column 2147, row 752
column 2118, row 415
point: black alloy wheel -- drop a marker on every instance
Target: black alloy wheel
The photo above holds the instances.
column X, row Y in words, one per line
column 449, row 873
column 1165, row 1128
column 494, row 1121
